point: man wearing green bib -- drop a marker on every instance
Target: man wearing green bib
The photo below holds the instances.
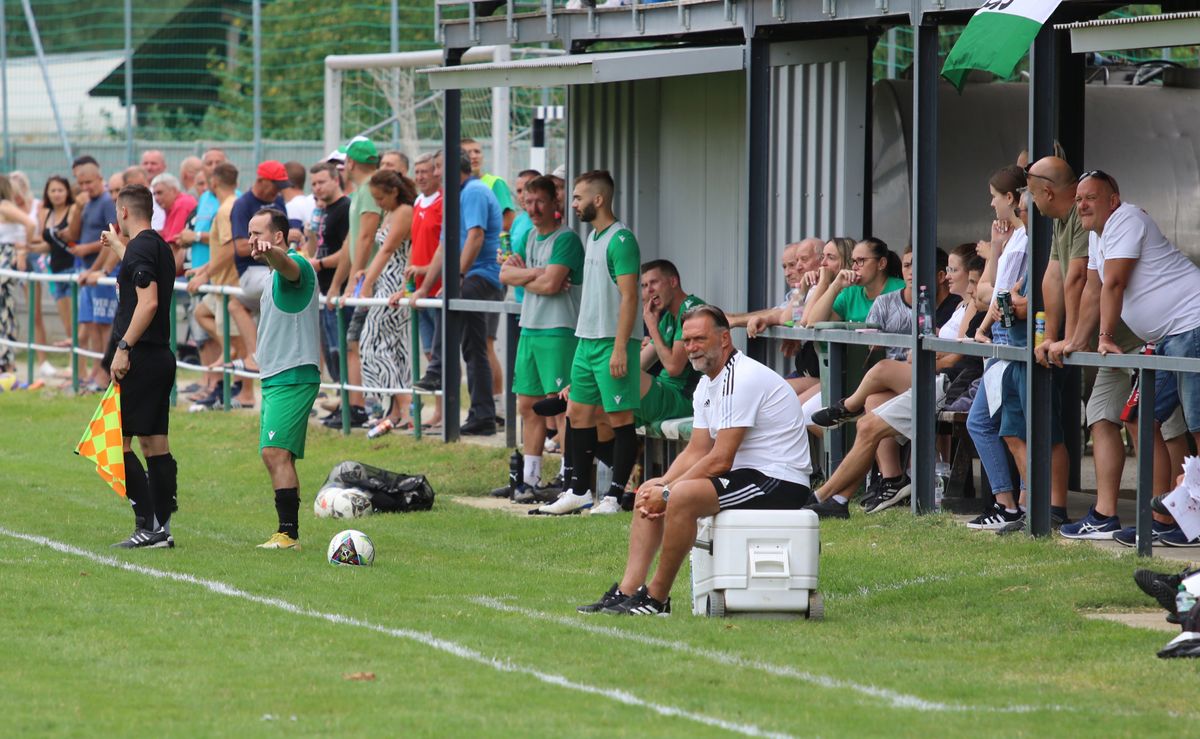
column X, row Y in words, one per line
column 666, row 393
column 289, row 348
column 601, row 375
column 552, row 274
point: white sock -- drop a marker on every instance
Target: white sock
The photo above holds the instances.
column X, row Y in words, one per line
column 841, row 499
column 533, row 470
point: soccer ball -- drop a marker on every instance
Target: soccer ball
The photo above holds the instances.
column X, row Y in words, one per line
column 323, row 503
column 351, row 547
column 350, row 503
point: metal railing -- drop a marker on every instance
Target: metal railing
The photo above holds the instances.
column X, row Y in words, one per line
column 227, row 371
column 636, row 10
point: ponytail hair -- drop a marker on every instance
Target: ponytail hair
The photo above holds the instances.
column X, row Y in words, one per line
column 880, row 250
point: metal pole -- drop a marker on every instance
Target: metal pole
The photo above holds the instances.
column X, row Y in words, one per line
column 6, row 159
column 74, row 337
column 129, row 133
column 757, row 193
column 501, row 112
column 1042, row 118
column 41, row 57
column 343, row 367
column 256, row 43
column 511, row 337
column 891, row 53
column 415, row 352
column 1145, row 460
column 395, row 47
column 924, row 240
column 226, row 378
column 29, row 353
column 451, row 289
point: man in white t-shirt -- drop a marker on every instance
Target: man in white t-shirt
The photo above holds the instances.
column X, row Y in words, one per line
column 748, row 449
column 1136, row 275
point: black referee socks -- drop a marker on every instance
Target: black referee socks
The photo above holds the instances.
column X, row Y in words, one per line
column 163, row 473
column 624, row 457
column 137, row 489
column 287, row 506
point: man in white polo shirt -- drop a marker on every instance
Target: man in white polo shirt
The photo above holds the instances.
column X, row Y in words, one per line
column 749, row 449
column 1137, row 276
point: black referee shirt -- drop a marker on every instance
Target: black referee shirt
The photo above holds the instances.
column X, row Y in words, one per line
column 148, row 260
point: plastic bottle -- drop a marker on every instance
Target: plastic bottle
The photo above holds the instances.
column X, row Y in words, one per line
column 924, row 318
column 941, row 475
column 1039, row 328
column 516, row 468
column 1184, row 601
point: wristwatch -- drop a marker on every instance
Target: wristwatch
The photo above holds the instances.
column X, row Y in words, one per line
column 666, row 492
column 123, row 344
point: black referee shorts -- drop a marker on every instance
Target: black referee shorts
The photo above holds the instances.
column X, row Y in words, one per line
column 146, row 391
column 751, row 489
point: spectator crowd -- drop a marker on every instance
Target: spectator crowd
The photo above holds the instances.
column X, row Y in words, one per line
column 600, row 351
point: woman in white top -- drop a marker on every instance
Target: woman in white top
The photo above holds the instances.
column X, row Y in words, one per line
column 1006, row 252
column 34, row 261
column 16, row 230
column 384, row 344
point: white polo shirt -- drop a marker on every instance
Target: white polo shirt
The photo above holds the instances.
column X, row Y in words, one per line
column 748, row 394
column 1161, row 295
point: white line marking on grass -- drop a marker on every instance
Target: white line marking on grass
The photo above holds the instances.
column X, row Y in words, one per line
column 892, row 697
column 426, row 639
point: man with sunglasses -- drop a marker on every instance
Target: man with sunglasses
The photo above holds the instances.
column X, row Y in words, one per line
column 1130, row 266
column 1052, row 186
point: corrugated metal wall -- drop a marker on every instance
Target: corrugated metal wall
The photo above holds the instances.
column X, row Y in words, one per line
column 819, row 107
column 676, row 149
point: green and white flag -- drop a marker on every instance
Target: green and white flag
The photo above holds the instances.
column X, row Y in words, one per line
column 996, row 38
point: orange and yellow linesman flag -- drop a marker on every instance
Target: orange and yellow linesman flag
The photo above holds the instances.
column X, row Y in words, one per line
column 102, row 441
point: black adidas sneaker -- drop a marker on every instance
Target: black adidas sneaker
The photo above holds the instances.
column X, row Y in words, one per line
column 611, row 598
column 147, row 539
column 641, row 603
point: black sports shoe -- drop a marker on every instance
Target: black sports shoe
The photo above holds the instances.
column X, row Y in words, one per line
column 1186, row 644
column 641, row 603
column 829, row 508
column 428, row 384
column 834, row 415
column 146, row 539
column 1161, row 587
column 1057, row 519
column 501, row 492
column 997, row 518
column 612, row 597
column 525, row 494
column 872, row 492
column 358, row 418
column 476, row 427
column 892, row 490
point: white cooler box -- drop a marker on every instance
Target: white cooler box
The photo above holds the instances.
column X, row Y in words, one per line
column 750, row 561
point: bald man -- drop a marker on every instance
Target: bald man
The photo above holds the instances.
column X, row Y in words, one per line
column 797, row 258
column 188, row 169
column 153, row 163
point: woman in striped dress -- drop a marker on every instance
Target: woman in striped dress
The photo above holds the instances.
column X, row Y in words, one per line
column 384, row 344
column 16, row 230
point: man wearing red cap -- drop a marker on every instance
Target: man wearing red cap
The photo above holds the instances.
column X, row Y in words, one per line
column 252, row 276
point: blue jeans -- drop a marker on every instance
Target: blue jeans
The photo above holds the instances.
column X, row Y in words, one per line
column 1186, row 344
column 329, row 340
column 427, row 324
column 985, row 433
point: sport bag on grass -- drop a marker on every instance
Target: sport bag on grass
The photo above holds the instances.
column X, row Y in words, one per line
column 388, row 491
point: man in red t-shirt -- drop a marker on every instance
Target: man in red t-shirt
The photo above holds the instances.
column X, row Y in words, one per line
column 177, row 205
column 424, row 259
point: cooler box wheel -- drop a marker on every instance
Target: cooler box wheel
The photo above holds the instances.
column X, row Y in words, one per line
column 716, row 604
column 816, row 607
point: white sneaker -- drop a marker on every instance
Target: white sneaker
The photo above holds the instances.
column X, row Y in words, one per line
column 47, row 370
column 568, row 502
column 608, row 504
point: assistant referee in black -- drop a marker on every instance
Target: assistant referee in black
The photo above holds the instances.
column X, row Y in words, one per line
column 140, row 359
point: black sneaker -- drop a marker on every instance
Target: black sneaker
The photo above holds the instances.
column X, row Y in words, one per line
column 428, row 384
column 476, row 427
column 146, row 539
column 502, row 492
column 995, row 519
column 834, row 415
column 641, row 603
column 525, row 494
column 893, row 490
column 1013, row 527
column 358, row 418
column 547, row 493
column 1161, row 587
column 1186, row 644
column 872, row 492
column 611, row 598
column 829, row 508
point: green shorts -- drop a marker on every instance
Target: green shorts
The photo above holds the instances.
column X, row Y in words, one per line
column 543, row 363
column 662, row 401
column 592, row 384
column 284, row 417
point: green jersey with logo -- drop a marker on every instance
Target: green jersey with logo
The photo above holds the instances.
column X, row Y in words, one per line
column 670, row 326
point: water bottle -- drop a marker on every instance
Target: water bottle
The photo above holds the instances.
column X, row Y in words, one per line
column 924, row 318
column 604, row 478
column 1039, row 328
column 941, row 475
column 1184, row 601
column 516, row 468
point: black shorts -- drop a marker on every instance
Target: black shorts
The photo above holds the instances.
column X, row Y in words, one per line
column 751, row 489
column 357, row 321
column 146, row 391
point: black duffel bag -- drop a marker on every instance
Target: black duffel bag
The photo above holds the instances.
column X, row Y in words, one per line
column 389, row 491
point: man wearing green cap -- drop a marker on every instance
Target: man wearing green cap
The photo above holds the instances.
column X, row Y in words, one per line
column 362, row 160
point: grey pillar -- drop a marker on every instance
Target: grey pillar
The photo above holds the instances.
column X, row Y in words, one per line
column 758, row 184
column 1043, row 116
column 129, row 132
column 451, row 287
column 1072, row 70
column 256, row 45
column 1145, row 460
column 926, row 69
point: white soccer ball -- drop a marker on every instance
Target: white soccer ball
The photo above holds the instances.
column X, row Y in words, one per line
column 323, row 503
column 350, row 503
column 351, row 547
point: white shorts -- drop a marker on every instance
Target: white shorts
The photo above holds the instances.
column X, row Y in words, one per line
column 898, row 412
column 213, row 302
column 254, row 281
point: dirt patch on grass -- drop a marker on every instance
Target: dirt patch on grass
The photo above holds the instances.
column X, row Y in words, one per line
column 1153, row 620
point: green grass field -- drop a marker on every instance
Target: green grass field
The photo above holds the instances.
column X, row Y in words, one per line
column 467, row 618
